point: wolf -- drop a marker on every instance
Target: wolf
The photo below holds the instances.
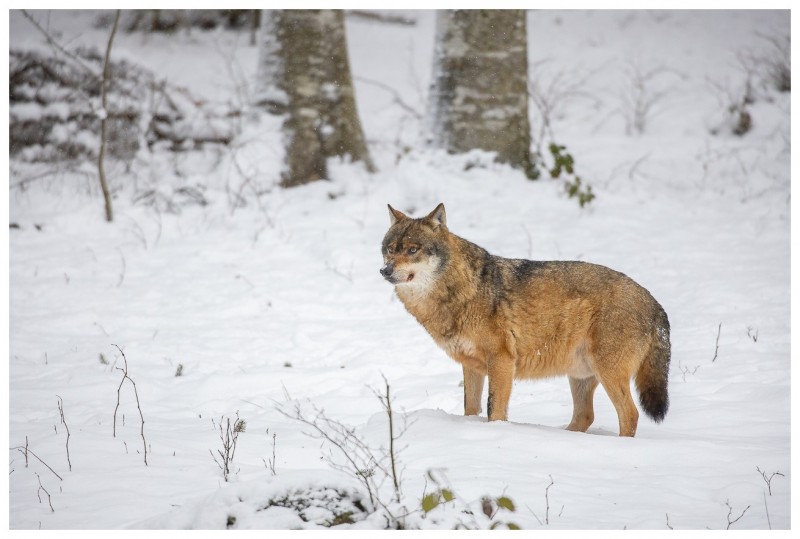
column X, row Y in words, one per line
column 521, row 319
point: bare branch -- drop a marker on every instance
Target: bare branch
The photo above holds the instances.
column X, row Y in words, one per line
column 716, row 349
column 273, row 460
column 768, row 480
column 58, row 46
column 730, row 512
column 25, row 450
column 64, row 422
column 397, row 99
column 136, row 394
column 229, row 436
column 42, row 489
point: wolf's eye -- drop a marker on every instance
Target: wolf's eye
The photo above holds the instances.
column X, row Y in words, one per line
column 412, row 250
column 389, row 249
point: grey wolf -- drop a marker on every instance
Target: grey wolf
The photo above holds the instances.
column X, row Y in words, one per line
column 520, row 319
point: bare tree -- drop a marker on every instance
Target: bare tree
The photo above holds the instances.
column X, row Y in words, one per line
column 103, row 120
column 304, row 74
column 479, row 97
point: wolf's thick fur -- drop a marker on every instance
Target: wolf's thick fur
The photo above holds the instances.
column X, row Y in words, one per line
column 513, row 318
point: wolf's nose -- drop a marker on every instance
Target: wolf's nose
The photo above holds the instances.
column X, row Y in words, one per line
column 387, row 270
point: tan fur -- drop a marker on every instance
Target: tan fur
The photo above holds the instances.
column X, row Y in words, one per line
column 510, row 318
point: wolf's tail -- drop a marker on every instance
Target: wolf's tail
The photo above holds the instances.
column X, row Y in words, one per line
column 653, row 374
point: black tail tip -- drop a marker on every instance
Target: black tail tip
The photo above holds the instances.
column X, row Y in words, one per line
column 654, row 405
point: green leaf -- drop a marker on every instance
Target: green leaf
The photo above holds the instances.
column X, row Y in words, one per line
column 430, row 502
column 512, row 526
column 506, row 503
column 447, row 495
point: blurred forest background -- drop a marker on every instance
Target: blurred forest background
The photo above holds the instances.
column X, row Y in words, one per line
column 69, row 105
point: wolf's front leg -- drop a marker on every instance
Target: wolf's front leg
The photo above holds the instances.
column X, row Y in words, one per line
column 501, row 376
column 473, row 389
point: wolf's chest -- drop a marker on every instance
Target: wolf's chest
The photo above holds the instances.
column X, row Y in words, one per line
column 465, row 351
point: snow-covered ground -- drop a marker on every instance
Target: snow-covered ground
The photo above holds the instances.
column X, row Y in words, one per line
column 279, row 303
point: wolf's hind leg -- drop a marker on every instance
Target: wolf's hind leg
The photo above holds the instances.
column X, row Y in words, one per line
column 473, row 390
column 619, row 391
column 582, row 402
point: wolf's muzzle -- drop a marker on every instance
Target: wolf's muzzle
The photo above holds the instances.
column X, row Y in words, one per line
column 387, row 270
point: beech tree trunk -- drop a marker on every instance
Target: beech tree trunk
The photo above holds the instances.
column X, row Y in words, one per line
column 479, row 97
column 304, row 74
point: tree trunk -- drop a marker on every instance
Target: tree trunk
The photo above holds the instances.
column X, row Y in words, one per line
column 304, row 74
column 479, row 97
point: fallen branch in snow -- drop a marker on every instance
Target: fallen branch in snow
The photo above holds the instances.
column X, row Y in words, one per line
column 136, row 394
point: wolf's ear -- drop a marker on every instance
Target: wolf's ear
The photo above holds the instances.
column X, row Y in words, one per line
column 395, row 215
column 437, row 217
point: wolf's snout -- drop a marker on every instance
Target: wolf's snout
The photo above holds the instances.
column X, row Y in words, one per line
column 387, row 270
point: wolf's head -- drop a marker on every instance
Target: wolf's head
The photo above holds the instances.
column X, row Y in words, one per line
column 415, row 250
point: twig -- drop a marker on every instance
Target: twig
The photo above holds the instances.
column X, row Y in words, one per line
column 397, row 99
column 26, row 450
column 766, row 509
column 274, row 459
column 271, row 465
column 42, row 489
column 229, row 436
column 340, row 436
column 768, row 480
column 136, row 394
column 386, row 401
column 753, row 336
column 64, row 422
column 730, row 511
column 686, row 370
column 58, row 46
column 547, row 501
column 716, row 350
column 668, row 526
column 103, row 120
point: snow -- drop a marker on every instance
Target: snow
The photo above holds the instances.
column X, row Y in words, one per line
column 34, row 111
column 271, row 298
